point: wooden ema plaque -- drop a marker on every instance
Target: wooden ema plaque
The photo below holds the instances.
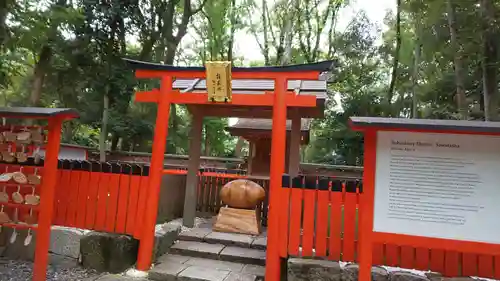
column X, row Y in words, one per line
column 429, row 184
column 219, row 88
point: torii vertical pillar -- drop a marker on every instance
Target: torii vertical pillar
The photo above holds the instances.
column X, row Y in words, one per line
column 147, row 240
column 278, row 152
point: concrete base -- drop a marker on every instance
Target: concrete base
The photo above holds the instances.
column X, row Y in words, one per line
column 165, row 236
column 65, row 241
column 321, row 270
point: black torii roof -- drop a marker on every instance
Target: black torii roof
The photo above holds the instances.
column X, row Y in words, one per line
column 322, row 66
column 317, row 87
column 37, row 112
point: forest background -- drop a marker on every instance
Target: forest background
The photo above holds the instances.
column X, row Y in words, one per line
column 426, row 59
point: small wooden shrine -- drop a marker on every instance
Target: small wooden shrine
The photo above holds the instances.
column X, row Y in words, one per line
column 283, row 92
column 258, row 134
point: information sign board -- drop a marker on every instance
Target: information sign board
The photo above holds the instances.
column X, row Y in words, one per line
column 438, row 185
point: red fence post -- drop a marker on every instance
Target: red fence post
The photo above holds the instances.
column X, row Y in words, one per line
column 365, row 227
column 47, row 200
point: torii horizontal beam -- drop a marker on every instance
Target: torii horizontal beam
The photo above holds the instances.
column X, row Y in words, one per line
column 266, row 99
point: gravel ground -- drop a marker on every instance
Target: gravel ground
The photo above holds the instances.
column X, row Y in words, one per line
column 14, row 270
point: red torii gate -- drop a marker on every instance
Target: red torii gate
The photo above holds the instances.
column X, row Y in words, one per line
column 279, row 100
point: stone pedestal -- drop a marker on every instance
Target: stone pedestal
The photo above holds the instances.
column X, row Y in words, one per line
column 105, row 252
column 238, row 221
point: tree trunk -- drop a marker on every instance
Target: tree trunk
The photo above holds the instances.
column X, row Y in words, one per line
column 115, row 138
column 5, row 6
column 396, row 55
column 233, row 31
column 288, row 34
column 489, row 62
column 44, row 59
column 458, row 61
column 416, row 68
column 67, row 132
column 170, row 53
column 104, row 130
column 266, row 35
column 169, row 59
column 39, row 73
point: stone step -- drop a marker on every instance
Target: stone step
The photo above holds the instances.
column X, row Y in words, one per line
column 219, row 252
column 223, row 238
column 174, row 267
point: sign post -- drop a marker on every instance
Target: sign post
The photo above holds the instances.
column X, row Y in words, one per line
column 429, row 183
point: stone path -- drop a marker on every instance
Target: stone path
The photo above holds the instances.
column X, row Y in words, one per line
column 204, row 255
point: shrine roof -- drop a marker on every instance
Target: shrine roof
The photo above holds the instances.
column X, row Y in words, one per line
column 38, row 112
column 317, row 88
column 463, row 126
column 318, row 66
column 267, row 124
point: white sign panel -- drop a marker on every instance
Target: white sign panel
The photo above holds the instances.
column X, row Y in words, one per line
column 438, row 185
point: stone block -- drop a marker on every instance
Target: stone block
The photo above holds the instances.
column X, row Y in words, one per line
column 351, row 271
column 197, row 273
column 235, row 239
column 235, row 276
column 197, row 249
column 94, row 251
column 195, row 234
column 17, row 250
column 308, row 269
column 108, row 252
column 406, row 276
column 166, row 271
column 65, row 241
column 172, row 258
column 253, row 269
column 122, row 253
column 215, row 264
column 260, row 243
column 165, row 236
column 243, row 255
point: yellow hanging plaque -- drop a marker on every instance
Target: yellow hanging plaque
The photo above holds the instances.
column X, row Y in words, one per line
column 219, row 86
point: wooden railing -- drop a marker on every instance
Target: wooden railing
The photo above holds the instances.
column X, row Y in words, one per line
column 320, row 220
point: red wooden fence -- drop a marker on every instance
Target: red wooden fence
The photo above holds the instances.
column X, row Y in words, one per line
column 102, row 197
column 320, row 219
column 321, row 222
column 89, row 195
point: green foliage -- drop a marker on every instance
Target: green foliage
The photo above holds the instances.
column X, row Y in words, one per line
column 75, row 49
